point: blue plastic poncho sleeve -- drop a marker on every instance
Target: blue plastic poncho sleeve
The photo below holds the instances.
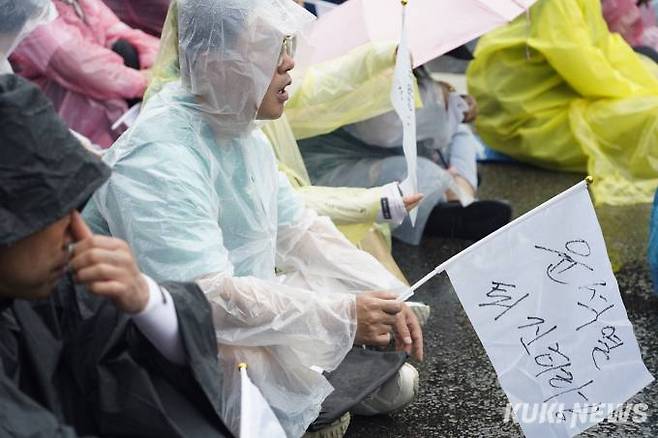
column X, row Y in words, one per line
column 170, row 229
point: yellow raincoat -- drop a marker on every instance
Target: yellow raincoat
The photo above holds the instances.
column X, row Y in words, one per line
column 348, row 89
column 562, row 92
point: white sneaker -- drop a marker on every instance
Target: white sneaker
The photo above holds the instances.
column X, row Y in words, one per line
column 421, row 310
column 398, row 392
column 335, row 430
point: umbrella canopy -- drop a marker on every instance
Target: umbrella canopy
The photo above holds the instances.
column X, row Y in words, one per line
column 434, row 26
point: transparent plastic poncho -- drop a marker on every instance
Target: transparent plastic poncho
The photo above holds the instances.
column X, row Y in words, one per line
column 196, row 193
column 353, row 210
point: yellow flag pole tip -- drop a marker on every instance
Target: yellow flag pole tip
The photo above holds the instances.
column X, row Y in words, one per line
column 242, row 366
column 404, row 2
column 589, row 180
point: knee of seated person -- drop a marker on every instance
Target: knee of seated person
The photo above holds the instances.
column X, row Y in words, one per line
column 429, row 168
column 396, row 394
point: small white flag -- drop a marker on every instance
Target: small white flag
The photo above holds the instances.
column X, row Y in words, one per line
column 128, row 118
column 404, row 103
column 546, row 306
column 256, row 418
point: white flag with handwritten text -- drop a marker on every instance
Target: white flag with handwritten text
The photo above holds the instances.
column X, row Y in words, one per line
column 545, row 304
column 404, row 103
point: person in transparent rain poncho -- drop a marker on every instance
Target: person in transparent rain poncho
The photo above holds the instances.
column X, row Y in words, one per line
column 196, row 193
column 17, row 19
column 369, row 153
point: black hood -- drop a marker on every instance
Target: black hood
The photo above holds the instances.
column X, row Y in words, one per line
column 44, row 170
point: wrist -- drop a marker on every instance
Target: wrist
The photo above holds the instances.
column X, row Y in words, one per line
column 392, row 208
column 147, row 295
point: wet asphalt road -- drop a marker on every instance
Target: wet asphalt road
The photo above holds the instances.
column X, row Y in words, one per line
column 459, row 392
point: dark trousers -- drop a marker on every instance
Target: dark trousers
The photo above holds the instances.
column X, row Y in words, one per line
column 128, row 52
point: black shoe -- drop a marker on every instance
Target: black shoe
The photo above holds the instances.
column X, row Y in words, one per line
column 474, row 222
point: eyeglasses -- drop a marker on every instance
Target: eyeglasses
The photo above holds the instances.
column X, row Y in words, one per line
column 288, row 47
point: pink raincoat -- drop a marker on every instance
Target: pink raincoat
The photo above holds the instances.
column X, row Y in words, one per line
column 72, row 61
column 148, row 15
column 637, row 25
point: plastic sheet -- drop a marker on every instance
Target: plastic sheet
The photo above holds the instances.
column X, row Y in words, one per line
column 562, row 92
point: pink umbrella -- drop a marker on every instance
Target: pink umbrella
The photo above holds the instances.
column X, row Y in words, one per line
column 435, row 26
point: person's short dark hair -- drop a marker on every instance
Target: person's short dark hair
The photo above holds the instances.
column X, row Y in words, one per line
column 14, row 14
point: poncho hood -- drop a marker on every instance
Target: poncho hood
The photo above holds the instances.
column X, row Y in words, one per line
column 44, row 171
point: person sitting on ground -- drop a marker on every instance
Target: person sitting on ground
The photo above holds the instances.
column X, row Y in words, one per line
column 369, row 153
column 91, row 65
column 562, row 92
column 196, row 193
column 147, row 15
column 100, row 349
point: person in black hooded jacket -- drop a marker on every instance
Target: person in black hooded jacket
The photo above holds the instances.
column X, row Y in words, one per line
column 88, row 344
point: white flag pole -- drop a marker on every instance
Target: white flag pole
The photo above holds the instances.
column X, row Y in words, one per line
column 443, row 266
column 404, row 103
